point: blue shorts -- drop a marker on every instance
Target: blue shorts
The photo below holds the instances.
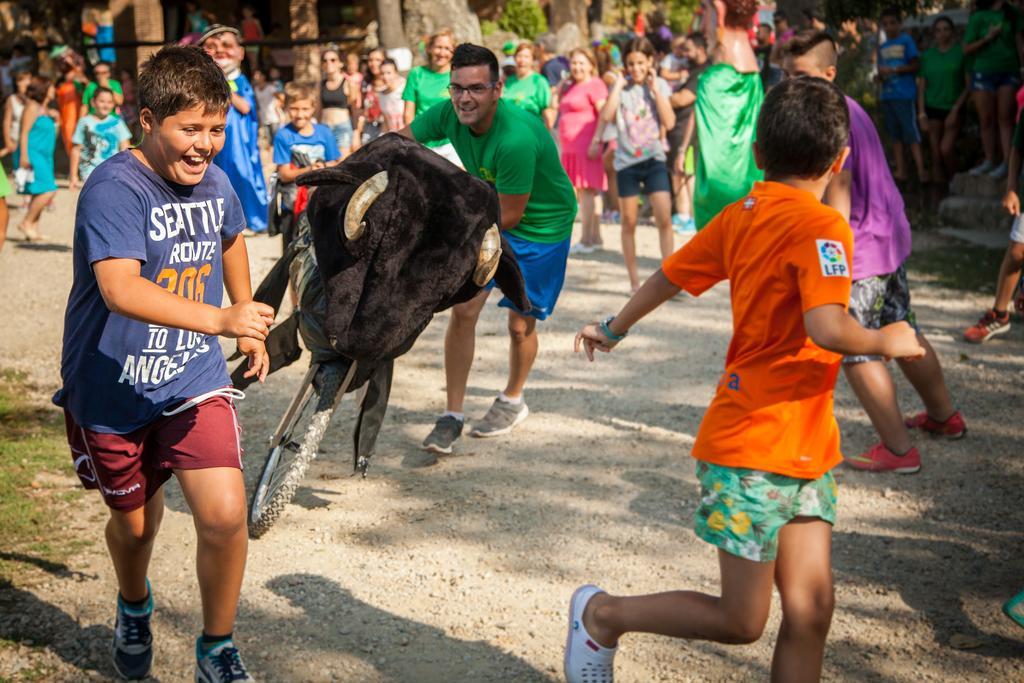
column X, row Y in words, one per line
column 543, row 268
column 652, row 174
column 342, row 135
column 901, row 121
column 994, row 81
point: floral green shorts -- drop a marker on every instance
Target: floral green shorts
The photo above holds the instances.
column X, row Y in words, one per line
column 741, row 510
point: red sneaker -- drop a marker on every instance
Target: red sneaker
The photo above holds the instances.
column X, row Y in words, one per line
column 988, row 326
column 879, row 458
column 953, row 428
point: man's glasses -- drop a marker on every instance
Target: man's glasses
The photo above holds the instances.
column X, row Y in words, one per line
column 475, row 90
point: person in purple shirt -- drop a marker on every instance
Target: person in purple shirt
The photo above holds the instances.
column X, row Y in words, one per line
column 866, row 194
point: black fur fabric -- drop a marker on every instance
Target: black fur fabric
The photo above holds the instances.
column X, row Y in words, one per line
column 418, row 251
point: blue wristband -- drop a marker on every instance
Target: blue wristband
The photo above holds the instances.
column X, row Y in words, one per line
column 607, row 331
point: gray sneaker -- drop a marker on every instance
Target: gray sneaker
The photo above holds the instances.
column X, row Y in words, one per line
column 446, row 432
column 501, row 418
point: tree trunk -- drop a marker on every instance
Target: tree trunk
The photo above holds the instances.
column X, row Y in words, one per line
column 389, row 17
column 304, row 25
column 569, row 12
column 424, row 17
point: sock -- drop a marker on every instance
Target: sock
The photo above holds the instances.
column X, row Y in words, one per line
column 507, row 399
column 209, row 642
column 140, row 607
column 461, row 417
column 1001, row 314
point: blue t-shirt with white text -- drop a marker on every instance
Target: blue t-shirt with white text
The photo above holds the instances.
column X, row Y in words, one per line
column 292, row 147
column 119, row 374
column 899, row 51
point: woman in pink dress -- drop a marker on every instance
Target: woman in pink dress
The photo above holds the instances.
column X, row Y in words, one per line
column 580, row 103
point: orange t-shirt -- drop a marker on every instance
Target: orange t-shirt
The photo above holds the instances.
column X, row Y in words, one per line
column 784, row 253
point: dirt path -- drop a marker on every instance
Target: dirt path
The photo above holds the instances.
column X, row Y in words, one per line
column 460, row 571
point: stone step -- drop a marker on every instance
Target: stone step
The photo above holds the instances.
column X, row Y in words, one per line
column 967, row 185
column 973, row 213
column 982, row 238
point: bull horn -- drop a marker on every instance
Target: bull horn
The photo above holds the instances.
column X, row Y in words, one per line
column 360, row 202
column 487, row 260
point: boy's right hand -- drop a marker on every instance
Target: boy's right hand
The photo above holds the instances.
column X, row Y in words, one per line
column 246, row 319
column 1011, row 202
column 900, row 341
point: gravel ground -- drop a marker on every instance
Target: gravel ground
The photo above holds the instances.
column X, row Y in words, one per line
column 461, row 570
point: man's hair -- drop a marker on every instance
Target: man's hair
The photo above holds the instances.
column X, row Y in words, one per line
column 468, row 54
column 943, row 19
column 819, row 44
column 295, row 91
column 178, row 78
column 803, row 126
column 698, row 39
column 891, row 11
column 100, row 90
column 38, row 89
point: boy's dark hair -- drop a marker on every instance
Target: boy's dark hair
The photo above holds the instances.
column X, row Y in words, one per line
column 891, row 11
column 468, row 54
column 390, row 62
column 803, row 126
column 780, row 15
column 943, row 19
column 698, row 39
column 107, row 64
column 178, row 78
column 819, row 42
column 38, row 89
column 100, row 90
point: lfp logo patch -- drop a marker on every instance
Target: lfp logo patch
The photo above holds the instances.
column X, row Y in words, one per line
column 832, row 259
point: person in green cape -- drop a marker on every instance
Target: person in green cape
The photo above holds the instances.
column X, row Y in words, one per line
column 729, row 98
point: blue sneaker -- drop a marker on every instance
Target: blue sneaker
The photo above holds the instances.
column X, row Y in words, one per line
column 677, row 220
column 689, row 227
column 220, row 664
column 132, row 649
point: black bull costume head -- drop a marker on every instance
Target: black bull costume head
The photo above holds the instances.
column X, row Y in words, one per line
column 399, row 234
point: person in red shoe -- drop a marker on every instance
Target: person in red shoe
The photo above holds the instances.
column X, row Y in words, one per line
column 996, row 320
column 866, row 195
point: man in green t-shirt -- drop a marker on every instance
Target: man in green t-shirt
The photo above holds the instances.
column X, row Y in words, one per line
column 102, row 72
column 512, row 150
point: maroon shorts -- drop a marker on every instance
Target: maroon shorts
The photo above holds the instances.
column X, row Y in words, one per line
column 128, row 469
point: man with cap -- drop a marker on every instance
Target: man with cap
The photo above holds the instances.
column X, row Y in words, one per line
column 240, row 158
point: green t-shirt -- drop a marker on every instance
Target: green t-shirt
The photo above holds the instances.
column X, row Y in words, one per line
column 90, row 90
column 532, row 94
column 425, row 88
column 943, row 73
column 728, row 103
column 518, row 156
column 999, row 56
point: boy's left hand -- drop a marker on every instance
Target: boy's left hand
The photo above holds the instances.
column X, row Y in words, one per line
column 259, row 360
column 591, row 337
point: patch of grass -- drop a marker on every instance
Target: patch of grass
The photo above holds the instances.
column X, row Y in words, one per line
column 968, row 268
column 32, row 444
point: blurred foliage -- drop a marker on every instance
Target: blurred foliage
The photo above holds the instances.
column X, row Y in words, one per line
column 837, row 11
column 680, row 15
column 488, row 27
column 524, row 18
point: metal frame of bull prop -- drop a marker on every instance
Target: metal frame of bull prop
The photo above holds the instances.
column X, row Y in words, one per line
column 390, row 237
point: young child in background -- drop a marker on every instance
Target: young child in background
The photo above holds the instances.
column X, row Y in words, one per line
column 299, row 147
column 866, row 194
column 996, row 320
column 639, row 106
column 769, row 439
column 392, row 105
column 97, row 137
column 35, row 154
column 157, row 242
column 898, row 62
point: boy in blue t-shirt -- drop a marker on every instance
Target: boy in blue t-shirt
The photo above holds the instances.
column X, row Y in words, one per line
column 97, row 137
column 898, row 61
column 145, row 389
column 300, row 147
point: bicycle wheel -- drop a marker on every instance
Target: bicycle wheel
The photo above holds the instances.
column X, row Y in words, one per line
column 295, row 442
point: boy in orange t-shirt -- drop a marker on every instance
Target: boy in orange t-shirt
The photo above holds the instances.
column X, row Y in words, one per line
column 769, row 439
